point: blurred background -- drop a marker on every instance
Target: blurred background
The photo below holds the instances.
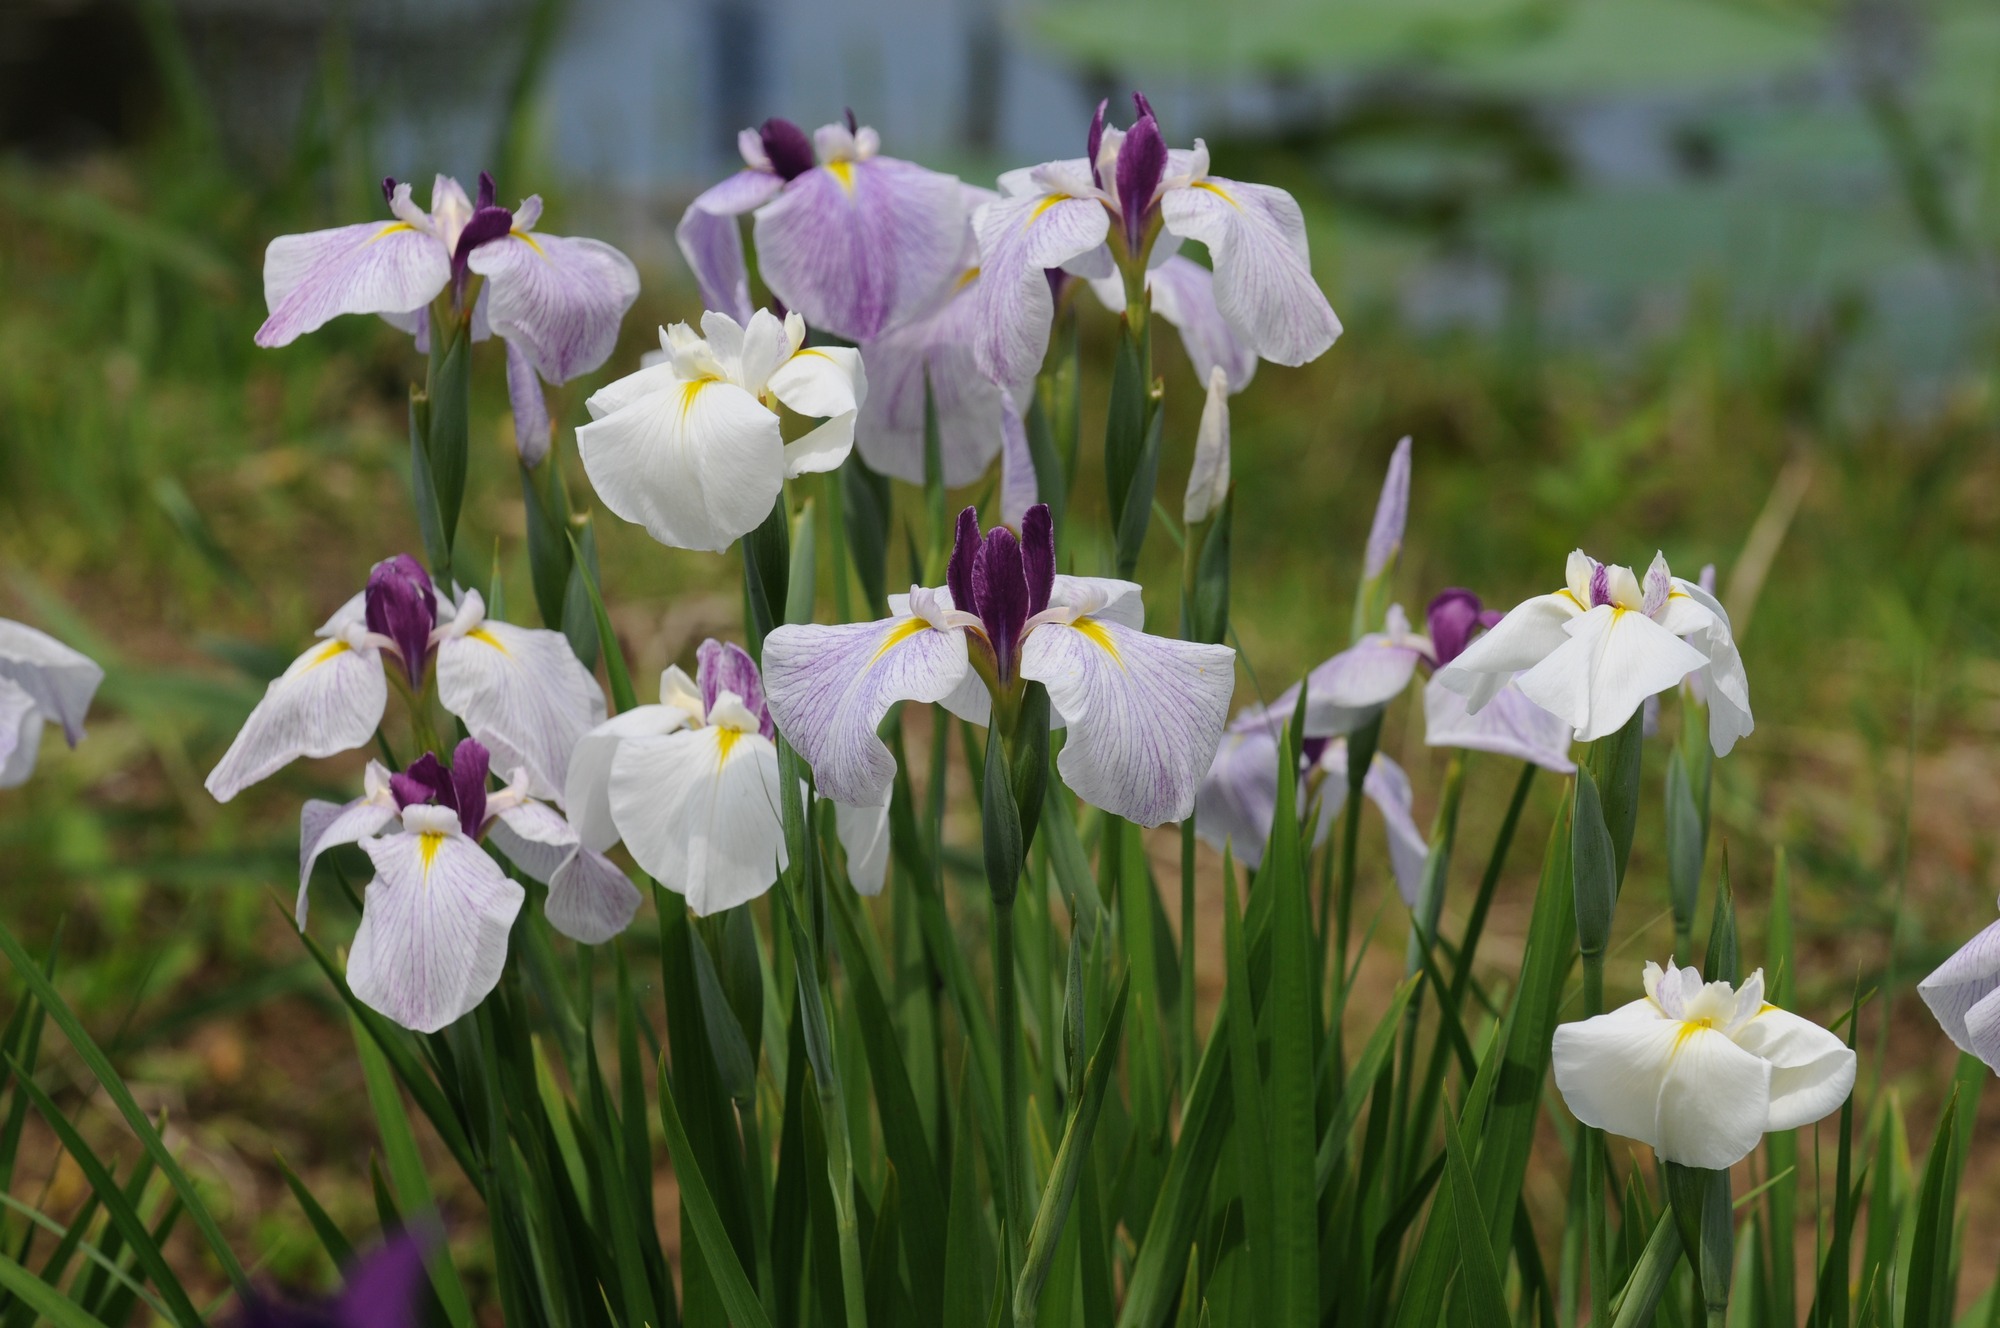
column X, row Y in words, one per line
column 1718, row 277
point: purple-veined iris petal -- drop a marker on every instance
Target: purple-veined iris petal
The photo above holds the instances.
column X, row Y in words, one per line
column 1264, row 286
column 1095, row 141
column 828, row 687
column 1350, row 689
column 697, row 464
column 326, row 825
column 698, row 809
column 890, row 429
column 1208, row 476
column 425, row 780
column 330, row 700
column 400, row 603
column 787, row 149
column 532, row 434
column 20, row 734
column 1508, row 725
column 1388, row 787
column 1392, row 513
column 558, row 298
column 434, row 923
column 590, row 898
column 711, row 238
column 1238, row 798
column 535, row 837
column 964, row 553
column 1020, row 238
column 1961, row 994
column 521, row 692
column 724, row 666
column 1184, row 294
column 1019, row 488
column 61, row 681
column 858, row 246
column 378, row 267
column 1612, row 661
column 1144, row 713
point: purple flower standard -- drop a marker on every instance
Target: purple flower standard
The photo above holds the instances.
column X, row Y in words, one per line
column 1144, row 713
column 520, row 691
column 855, row 241
column 42, row 682
column 557, row 300
column 1119, row 199
column 385, row 1289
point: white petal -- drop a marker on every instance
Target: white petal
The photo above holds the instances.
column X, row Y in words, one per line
column 535, row 837
column 1610, row 1069
column 590, row 899
column 822, row 381
column 325, row 825
column 61, row 680
column 330, row 700
column 1388, row 787
column 587, row 790
column 1959, row 986
column 434, row 927
column 1724, row 684
column 1264, row 287
column 1509, row 725
column 1614, row 659
column 523, row 693
column 660, row 376
column 1812, row 1071
column 21, row 726
column 864, row 833
column 698, row 465
column 821, row 450
column 828, row 687
column 1715, row 1103
column 1530, row 633
column 699, row 811
column 1145, row 714
column 1104, row 598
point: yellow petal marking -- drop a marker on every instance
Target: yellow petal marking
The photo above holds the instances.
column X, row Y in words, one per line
column 326, row 652
column 1093, row 631
column 427, row 846
column 725, row 742
column 530, row 241
column 1690, row 1027
column 1045, row 205
column 1220, row 193
column 898, row 634
column 690, row 391
column 842, row 171
column 966, row 278
column 391, row 229
column 485, row 637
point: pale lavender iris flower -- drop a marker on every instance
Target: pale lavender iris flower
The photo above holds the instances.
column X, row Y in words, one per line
column 1964, row 996
column 855, row 241
column 519, row 690
column 385, row 1289
column 1133, row 194
column 1239, row 796
column 1144, row 713
column 557, row 300
column 42, row 682
column 1508, row 725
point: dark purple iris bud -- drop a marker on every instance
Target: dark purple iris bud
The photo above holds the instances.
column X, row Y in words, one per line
column 1096, row 141
column 488, row 223
column 786, row 145
column 386, row 1289
column 1310, row 750
column 425, row 781
column 727, row 667
column 1456, row 616
column 402, row 605
column 853, row 125
column 486, row 190
column 1143, row 107
column 388, row 189
column 1003, row 584
column 1142, row 160
column 470, row 764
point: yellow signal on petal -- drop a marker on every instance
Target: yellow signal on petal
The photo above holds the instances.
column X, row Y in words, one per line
column 1046, row 204
column 427, row 845
column 1093, row 631
column 842, row 171
column 725, row 742
column 391, row 229
column 1220, row 193
column 331, row 650
column 898, row 634
column 485, row 637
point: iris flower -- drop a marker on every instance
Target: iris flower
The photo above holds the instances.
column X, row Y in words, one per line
column 1144, row 713
column 557, row 300
column 691, row 786
column 1593, row 651
column 386, row 1289
column 690, row 447
column 1700, row 1071
column 1127, row 192
column 520, row 691
column 1508, row 725
column 1961, row 996
column 855, row 241
column 42, row 681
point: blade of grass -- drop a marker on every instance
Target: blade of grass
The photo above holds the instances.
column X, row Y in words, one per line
column 738, row 1296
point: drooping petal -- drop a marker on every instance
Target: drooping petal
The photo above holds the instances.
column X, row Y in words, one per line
column 1388, row 787
column 378, row 267
column 1238, row 798
column 890, row 428
column 858, row 246
column 590, row 899
column 326, row 825
column 1019, row 487
column 1960, row 993
column 864, row 833
column 1184, row 295
column 521, row 692
column 1613, row 660
column 1610, row 1069
column 330, row 700
column 698, row 465
column 699, row 811
column 20, row 735
column 825, row 382
column 1019, row 240
column 1509, row 725
column 1264, row 287
column 1102, row 597
column 1145, row 714
column 1348, row 690
column 1530, row 633
column 535, row 837
column 711, row 239
column 587, row 790
column 828, row 687
column 531, row 408
column 1208, row 477
column 1725, row 686
column 60, row 681
column 1812, row 1071
column 434, row 925
column 559, row 298
column 1715, row 1100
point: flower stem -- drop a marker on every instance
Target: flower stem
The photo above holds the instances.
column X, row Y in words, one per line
column 1012, row 1192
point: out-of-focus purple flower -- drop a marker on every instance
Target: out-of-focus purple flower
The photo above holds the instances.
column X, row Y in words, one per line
column 1349, row 690
column 385, row 1289
column 1508, row 725
column 42, row 682
column 1144, row 713
column 521, row 691
column 1392, row 513
column 855, row 242
column 1060, row 214
column 558, row 300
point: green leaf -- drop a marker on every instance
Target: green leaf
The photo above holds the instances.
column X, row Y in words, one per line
column 1138, row 510
column 803, row 578
column 738, row 1297
column 1641, row 1294
column 331, row 1238
column 1595, row 856
column 1724, row 961
column 1286, row 1021
column 968, row 1260
column 1614, row 764
column 1250, row 1139
column 448, row 390
column 866, row 507
column 545, row 501
column 622, row 695
column 1000, row 825
column 1205, row 603
column 1050, row 486
column 767, row 559
column 50, row 1303
column 1684, row 847
column 1479, row 1285
column 1927, row 1301
column 579, row 620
